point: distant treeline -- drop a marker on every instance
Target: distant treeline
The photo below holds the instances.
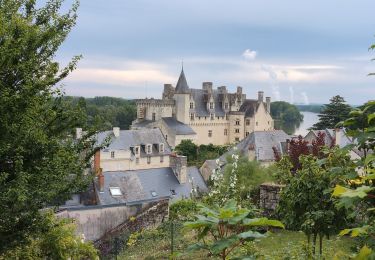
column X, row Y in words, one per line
column 310, row 108
column 106, row 112
column 286, row 116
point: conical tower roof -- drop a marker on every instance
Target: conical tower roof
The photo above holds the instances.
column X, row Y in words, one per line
column 182, row 86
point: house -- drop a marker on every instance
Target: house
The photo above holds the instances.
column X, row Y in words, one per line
column 204, row 115
column 259, row 146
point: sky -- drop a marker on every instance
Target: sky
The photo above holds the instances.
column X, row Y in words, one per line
column 297, row 51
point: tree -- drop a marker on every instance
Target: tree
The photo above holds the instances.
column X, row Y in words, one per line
column 221, row 230
column 187, row 148
column 57, row 241
column 41, row 164
column 286, row 116
column 306, row 203
column 333, row 113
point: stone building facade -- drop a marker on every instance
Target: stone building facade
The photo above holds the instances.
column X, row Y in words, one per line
column 205, row 115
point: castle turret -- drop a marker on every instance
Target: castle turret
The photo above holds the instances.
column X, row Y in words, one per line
column 182, row 98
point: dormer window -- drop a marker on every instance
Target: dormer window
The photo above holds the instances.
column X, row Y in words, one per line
column 112, row 154
column 211, row 105
column 226, row 105
column 136, row 150
column 161, row 148
column 191, row 105
column 212, row 116
column 192, row 116
column 148, row 149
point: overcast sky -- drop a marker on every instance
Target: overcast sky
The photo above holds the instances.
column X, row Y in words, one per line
column 297, row 51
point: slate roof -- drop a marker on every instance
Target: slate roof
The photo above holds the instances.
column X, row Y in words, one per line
column 200, row 103
column 262, row 141
column 130, row 138
column 139, row 185
column 250, row 106
column 178, row 127
column 182, row 86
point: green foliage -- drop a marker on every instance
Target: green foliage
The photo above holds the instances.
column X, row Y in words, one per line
column 333, row 113
column 183, row 210
column 40, row 163
column 106, row 112
column 197, row 155
column 286, row 116
column 306, row 203
column 57, row 241
column 357, row 194
column 221, row 230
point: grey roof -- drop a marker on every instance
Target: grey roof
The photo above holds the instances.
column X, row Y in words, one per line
column 250, row 106
column 199, row 96
column 130, row 138
column 262, row 142
column 178, row 127
column 138, row 186
column 182, row 86
column 143, row 123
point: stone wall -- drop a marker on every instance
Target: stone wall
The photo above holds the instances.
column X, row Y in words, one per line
column 96, row 221
column 269, row 197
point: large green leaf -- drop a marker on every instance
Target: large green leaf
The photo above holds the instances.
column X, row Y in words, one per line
column 258, row 222
column 364, row 253
column 360, row 192
column 220, row 245
column 240, row 215
column 250, row 234
column 355, row 232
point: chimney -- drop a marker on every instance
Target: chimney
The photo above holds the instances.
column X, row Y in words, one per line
column 78, row 133
column 260, row 96
column 268, row 102
column 179, row 167
column 116, row 131
column 337, row 136
column 97, row 162
column 101, row 180
column 239, row 90
column 207, row 86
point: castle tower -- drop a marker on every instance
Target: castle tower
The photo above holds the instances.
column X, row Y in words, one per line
column 182, row 97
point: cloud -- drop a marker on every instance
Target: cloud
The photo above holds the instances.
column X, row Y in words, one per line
column 249, row 54
column 271, row 72
column 291, row 91
column 305, row 98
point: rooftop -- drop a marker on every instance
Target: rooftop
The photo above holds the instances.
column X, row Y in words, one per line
column 151, row 184
column 178, row 127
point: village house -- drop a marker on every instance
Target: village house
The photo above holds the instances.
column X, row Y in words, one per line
column 206, row 115
column 258, row 146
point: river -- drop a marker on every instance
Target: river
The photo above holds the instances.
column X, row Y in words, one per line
column 309, row 119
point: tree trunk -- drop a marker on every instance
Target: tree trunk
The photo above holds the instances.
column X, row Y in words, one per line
column 314, row 243
column 320, row 244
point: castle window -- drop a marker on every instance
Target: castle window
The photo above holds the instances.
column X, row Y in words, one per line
column 256, row 123
column 192, row 116
column 166, row 137
column 212, row 116
column 226, row 105
column 225, row 131
column 268, row 122
column 247, row 133
column 209, row 133
column 148, row 159
column 247, row 122
column 153, row 116
column 211, row 105
column 237, row 130
column 112, row 154
column 237, row 122
column 161, row 158
column 191, row 105
column 237, row 139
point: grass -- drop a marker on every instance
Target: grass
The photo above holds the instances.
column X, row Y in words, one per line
column 155, row 244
